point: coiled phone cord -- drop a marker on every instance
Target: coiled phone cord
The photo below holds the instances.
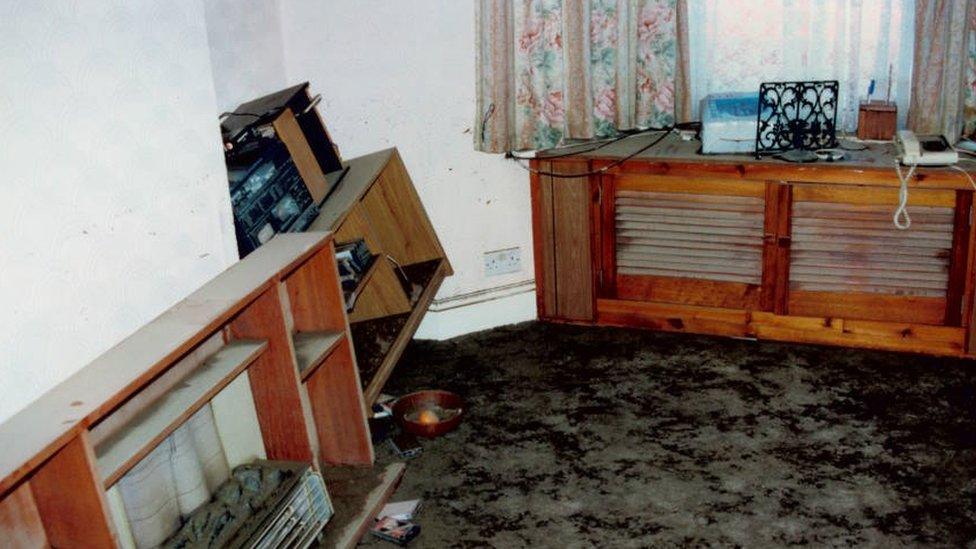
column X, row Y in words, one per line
column 901, row 219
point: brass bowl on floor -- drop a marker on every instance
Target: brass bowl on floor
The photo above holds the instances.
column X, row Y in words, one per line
column 420, row 400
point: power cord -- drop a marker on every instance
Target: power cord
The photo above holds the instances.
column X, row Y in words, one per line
column 967, row 174
column 664, row 133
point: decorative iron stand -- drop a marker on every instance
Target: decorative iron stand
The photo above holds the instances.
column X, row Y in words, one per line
column 796, row 116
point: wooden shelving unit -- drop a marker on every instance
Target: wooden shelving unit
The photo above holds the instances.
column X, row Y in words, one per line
column 369, row 198
column 276, row 319
column 124, row 448
column 377, row 202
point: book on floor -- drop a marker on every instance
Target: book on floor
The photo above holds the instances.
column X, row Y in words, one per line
column 400, row 532
column 401, row 510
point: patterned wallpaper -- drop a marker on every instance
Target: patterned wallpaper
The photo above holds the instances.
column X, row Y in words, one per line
column 245, row 49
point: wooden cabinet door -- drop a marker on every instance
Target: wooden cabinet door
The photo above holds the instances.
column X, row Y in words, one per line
column 562, row 221
column 684, row 241
column 847, row 259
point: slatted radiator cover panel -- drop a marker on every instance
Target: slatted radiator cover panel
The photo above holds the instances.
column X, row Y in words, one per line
column 856, row 248
column 700, row 236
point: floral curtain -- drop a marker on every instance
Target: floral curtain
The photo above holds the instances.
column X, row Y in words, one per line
column 942, row 54
column 552, row 70
column 970, row 106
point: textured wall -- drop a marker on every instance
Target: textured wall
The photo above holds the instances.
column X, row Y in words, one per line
column 113, row 202
column 245, row 49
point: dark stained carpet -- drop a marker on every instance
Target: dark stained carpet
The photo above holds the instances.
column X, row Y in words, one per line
column 601, row 437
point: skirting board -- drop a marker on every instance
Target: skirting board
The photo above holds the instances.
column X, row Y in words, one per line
column 477, row 311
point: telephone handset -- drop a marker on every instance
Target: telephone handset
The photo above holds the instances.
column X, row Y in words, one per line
column 926, row 150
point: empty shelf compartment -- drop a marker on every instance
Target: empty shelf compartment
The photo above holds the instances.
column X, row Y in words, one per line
column 311, row 348
column 130, row 443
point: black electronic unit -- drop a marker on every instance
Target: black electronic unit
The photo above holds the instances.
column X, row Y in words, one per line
column 267, row 194
column 237, row 126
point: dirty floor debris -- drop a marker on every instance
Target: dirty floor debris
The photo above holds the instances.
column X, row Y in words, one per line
column 581, row 437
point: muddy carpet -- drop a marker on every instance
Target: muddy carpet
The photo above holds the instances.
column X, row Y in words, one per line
column 601, row 437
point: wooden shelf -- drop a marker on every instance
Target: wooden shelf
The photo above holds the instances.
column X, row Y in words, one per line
column 380, row 342
column 65, row 451
column 312, row 348
column 358, row 494
column 124, row 448
column 350, row 300
column 37, row 432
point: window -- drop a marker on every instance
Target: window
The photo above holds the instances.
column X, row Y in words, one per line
column 737, row 44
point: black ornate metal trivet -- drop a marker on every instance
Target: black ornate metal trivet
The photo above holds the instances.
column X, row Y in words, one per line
column 796, row 115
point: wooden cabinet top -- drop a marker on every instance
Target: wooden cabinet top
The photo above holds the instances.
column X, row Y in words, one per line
column 363, row 171
column 875, row 165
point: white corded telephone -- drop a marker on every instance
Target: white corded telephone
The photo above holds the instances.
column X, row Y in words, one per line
column 927, row 150
column 913, row 151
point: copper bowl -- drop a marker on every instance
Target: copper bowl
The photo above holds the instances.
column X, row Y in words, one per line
column 413, row 402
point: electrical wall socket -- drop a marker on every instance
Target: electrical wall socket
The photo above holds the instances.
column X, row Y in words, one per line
column 500, row 262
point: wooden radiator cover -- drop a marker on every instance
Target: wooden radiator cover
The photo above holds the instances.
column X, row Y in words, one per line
column 672, row 246
column 849, row 248
column 848, row 260
column 683, row 235
column 757, row 249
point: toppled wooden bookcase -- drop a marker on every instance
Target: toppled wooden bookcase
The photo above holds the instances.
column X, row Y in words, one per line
column 376, row 201
column 368, row 198
column 265, row 345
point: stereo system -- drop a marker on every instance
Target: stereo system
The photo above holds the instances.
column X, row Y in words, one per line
column 267, row 193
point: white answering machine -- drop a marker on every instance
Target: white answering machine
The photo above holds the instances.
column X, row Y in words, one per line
column 925, row 150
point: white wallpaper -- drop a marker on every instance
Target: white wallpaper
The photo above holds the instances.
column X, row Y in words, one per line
column 245, row 49
column 113, row 197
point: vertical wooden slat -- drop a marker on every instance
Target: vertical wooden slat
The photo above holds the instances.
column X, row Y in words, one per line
column 313, row 293
column 770, row 253
column 339, row 410
column 958, row 261
column 571, row 232
column 70, row 499
column 783, row 240
column 20, row 523
column 290, row 133
column 608, row 250
column 542, row 241
column 274, row 380
column 970, row 299
column 594, row 214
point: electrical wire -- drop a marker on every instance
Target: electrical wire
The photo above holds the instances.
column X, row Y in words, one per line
column 224, row 115
column 664, row 133
column 964, row 151
column 576, row 148
column 967, row 174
